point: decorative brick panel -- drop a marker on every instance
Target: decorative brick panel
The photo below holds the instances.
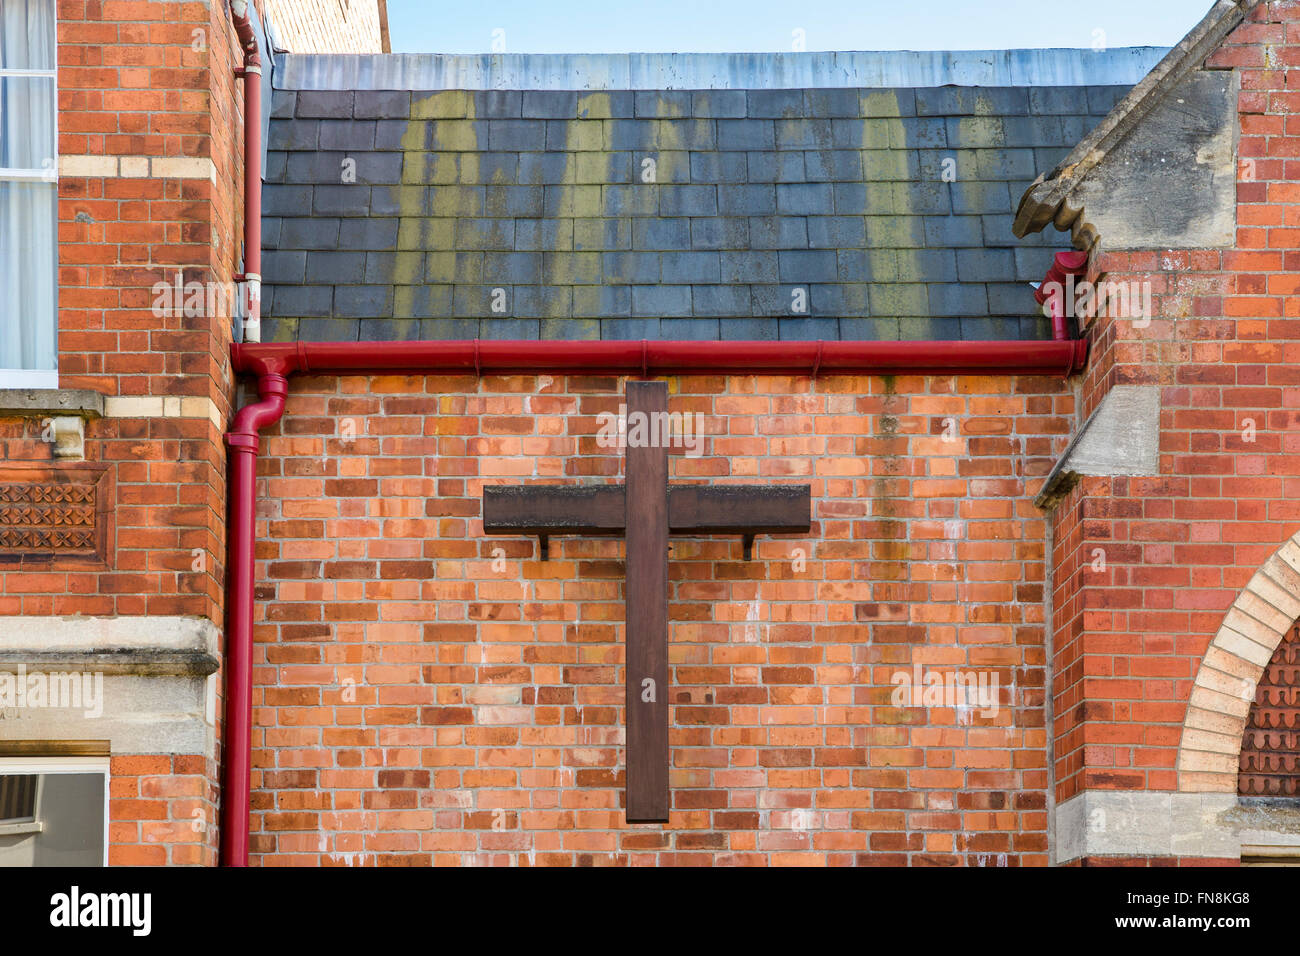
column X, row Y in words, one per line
column 56, row 515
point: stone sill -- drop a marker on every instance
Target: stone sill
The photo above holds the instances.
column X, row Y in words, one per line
column 154, row 662
column 40, row 402
column 168, row 646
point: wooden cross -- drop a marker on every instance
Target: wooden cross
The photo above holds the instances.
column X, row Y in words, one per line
column 647, row 510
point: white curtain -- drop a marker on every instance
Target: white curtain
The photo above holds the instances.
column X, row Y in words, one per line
column 28, row 206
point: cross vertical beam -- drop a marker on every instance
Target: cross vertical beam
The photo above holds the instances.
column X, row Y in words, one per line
column 646, row 653
column 646, row 511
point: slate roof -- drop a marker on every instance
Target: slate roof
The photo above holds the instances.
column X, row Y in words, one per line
column 523, row 214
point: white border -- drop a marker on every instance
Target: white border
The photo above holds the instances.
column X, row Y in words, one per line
column 29, row 378
column 64, row 765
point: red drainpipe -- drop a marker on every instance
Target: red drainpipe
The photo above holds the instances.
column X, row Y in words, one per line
column 252, row 76
column 273, row 363
column 242, row 440
column 1057, row 288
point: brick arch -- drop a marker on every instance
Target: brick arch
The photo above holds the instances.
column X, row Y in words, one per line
column 1210, row 747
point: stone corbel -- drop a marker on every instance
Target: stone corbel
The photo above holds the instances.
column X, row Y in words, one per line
column 63, row 413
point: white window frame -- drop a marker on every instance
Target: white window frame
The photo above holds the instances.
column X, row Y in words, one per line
column 53, row 765
column 21, row 377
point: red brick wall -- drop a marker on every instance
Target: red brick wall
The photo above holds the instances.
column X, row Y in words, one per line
column 162, row 810
column 408, row 696
column 1223, row 350
column 132, row 83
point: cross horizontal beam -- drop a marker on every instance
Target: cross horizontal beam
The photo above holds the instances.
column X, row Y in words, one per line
column 601, row 509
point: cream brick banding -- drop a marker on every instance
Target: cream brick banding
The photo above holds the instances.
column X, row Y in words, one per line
column 1227, row 678
column 163, row 406
column 138, row 167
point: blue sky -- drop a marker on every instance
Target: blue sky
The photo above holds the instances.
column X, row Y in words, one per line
column 681, row 26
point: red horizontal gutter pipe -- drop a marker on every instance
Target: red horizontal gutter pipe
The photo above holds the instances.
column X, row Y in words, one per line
column 665, row 358
column 273, row 363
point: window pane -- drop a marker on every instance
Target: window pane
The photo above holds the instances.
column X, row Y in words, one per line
column 28, row 290
column 27, row 122
column 69, row 825
column 26, row 34
column 17, row 797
